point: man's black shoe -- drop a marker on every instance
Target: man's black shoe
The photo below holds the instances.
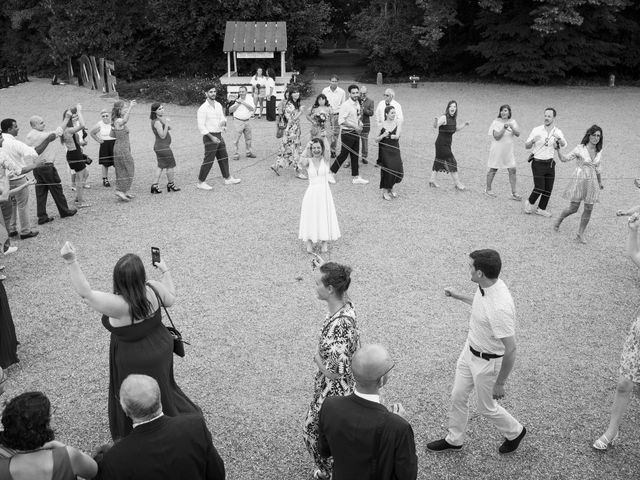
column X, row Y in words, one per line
column 13, row 234
column 512, row 445
column 31, row 234
column 42, row 221
column 70, row 213
column 442, row 446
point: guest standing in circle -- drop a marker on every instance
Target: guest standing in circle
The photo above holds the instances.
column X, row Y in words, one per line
column 8, row 340
column 259, row 84
column 140, row 343
column 629, row 372
column 339, row 340
column 28, row 446
column 445, row 161
column 502, row 131
column 122, row 159
column 318, row 219
column 586, row 181
column 289, row 153
column 76, row 159
column 321, row 118
column 271, row 95
column 162, row 147
column 101, row 133
column 389, row 159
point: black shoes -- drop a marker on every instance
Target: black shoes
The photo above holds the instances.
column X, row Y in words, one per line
column 31, row 234
column 442, row 446
column 42, row 221
column 155, row 189
column 13, row 234
column 70, row 213
column 512, row 445
column 171, row 187
column 105, row 182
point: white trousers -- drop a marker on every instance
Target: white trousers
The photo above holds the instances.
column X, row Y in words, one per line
column 472, row 371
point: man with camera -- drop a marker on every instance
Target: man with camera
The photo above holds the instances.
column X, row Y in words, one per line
column 242, row 110
column 365, row 439
column 46, row 175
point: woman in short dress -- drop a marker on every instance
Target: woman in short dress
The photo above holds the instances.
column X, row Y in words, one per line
column 101, row 133
column 318, row 219
column 289, row 153
column 162, row 147
column 586, row 181
column 76, row 159
column 339, row 340
column 140, row 343
column 502, row 131
column 389, row 159
column 122, row 159
column 629, row 373
column 259, row 84
column 445, row 161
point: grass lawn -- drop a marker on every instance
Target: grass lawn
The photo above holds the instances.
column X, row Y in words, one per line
column 246, row 292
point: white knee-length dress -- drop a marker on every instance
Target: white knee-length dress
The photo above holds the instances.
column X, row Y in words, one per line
column 318, row 219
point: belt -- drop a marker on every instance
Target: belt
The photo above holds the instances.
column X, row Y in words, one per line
column 484, row 356
column 242, row 119
column 543, row 160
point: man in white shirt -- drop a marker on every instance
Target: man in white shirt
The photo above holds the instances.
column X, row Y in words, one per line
column 336, row 97
column 211, row 123
column 46, row 175
column 350, row 122
column 490, row 348
column 389, row 96
column 544, row 140
column 242, row 111
column 26, row 158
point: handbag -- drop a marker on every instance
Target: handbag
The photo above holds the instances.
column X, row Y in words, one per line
column 280, row 126
column 178, row 341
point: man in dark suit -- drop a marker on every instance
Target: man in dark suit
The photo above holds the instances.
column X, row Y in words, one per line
column 364, row 438
column 159, row 447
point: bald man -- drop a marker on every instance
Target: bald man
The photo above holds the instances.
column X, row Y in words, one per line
column 159, row 447
column 46, row 175
column 389, row 100
column 365, row 439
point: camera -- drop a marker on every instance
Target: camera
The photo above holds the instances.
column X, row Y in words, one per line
column 73, row 110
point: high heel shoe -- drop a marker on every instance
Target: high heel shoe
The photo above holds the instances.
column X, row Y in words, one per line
column 603, row 443
column 434, row 185
column 105, row 182
column 155, row 189
column 171, row 187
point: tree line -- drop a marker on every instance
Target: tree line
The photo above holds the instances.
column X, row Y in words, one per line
column 529, row 41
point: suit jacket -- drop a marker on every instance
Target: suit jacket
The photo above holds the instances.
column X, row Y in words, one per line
column 348, row 427
column 166, row 448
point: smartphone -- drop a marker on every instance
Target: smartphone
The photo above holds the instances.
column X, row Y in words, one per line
column 155, row 256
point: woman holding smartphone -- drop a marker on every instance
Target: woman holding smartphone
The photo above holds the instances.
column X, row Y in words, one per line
column 140, row 343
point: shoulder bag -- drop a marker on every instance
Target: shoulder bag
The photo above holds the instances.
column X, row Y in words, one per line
column 178, row 341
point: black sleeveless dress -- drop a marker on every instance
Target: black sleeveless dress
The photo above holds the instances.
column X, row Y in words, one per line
column 8, row 341
column 390, row 160
column 146, row 348
column 445, row 161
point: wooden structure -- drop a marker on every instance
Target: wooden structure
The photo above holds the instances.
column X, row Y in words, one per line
column 93, row 75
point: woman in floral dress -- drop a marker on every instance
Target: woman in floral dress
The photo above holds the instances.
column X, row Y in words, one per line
column 339, row 340
column 289, row 153
column 586, row 182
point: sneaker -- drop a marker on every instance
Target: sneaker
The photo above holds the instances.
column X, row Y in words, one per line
column 516, row 197
column 231, row 181
column 331, row 179
column 528, row 208
column 359, row 181
column 204, row 186
column 236, row 156
column 443, row 446
column 543, row 213
column 87, row 186
column 10, row 250
column 489, row 193
column 301, row 176
column 251, row 155
column 82, row 205
column 509, row 446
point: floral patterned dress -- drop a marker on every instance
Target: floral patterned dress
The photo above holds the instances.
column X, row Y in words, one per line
column 630, row 358
column 583, row 186
column 289, row 153
column 339, row 340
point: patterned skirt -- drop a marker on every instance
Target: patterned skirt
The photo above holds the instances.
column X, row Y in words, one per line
column 630, row 358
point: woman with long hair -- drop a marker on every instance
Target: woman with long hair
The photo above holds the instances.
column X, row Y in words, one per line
column 259, row 84
column 389, row 159
column 586, row 181
column 502, row 131
column 28, row 448
column 162, row 147
column 289, row 153
column 445, row 161
column 122, row 159
column 101, row 133
column 339, row 340
column 76, row 159
column 318, row 220
column 321, row 118
column 140, row 343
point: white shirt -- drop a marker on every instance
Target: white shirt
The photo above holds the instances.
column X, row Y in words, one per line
column 493, row 316
column 380, row 112
column 367, row 396
column 105, row 131
column 271, row 87
column 210, row 117
column 242, row 112
column 18, row 152
column 8, row 166
column 349, row 115
column 336, row 98
column 255, row 81
column 36, row 137
column 544, row 148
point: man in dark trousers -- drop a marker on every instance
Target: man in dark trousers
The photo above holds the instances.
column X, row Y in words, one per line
column 159, row 447
column 367, row 113
column 364, row 438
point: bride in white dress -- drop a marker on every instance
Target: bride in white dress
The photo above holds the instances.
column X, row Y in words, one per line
column 318, row 220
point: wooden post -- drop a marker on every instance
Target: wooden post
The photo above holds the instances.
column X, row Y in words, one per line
column 235, row 63
column 110, row 79
column 282, row 63
column 229, row 64
column 70, row 71
column 97, row 78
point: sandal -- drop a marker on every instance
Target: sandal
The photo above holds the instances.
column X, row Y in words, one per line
column 603, row 443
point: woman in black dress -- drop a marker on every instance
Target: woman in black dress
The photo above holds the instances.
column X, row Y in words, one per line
column 445, row 161
column 140, row 343
column 8, row 341
column 391, row 171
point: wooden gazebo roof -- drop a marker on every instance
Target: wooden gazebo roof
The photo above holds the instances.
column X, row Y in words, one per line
column 255, row 37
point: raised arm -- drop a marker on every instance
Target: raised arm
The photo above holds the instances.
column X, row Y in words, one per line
column 450, row 292
column 165, row 286
column 439, row 121
column 464, row 125
column 125, row 119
